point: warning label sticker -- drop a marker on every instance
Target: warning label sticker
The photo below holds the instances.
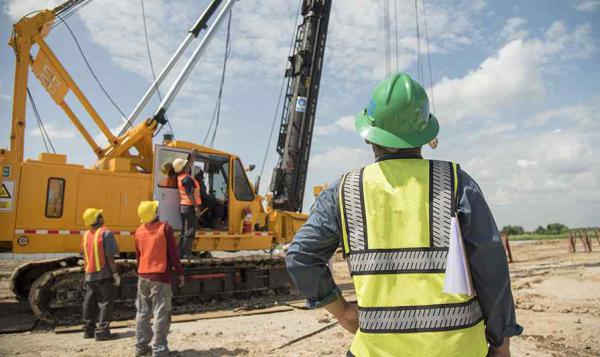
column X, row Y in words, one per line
column 7, row 189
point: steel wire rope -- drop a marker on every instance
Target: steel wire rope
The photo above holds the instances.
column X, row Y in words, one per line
column 91, row 70
column 387, row 37
column 278, row 105
column 152, row 68
column 71, row 11
column 40, row 123
column 419, row 63
column 396, row 32
column 217, row 111
column 428, row 56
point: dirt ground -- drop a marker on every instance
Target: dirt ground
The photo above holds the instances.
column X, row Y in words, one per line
column 557, row 296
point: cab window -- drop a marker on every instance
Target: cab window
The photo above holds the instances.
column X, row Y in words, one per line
column 212, row 173
column 55, row 197
column 241, row 186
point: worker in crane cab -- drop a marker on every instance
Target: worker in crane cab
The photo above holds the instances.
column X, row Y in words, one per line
column 170, row 177
column 98, row 247
column 428, row 266
column 189, row 205
column 215, row 208
column 158, row 259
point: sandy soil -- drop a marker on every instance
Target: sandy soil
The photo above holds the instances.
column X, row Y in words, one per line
column 557, row 295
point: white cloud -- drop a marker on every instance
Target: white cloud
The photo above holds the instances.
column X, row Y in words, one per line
column 345, row 123
column 354, row 44
column 587, row 5
column 54, row 132
column 339, row 159
column 524, row 163
column 583, row 116
column 513, row 76
column 536, row 167
column 513, row 29
column 17, row 9
column 496, row 129
column 503, row 80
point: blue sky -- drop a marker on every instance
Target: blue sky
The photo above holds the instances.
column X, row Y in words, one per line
column 516, row 88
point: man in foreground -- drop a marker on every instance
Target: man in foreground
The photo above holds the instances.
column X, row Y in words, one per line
column 98, row 247
column 393, row 220
column 157, row 260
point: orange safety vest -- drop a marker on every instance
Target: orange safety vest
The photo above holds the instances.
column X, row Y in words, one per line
column 151, row 242
column 92, row 247
column 184, row 199
column 168, row 182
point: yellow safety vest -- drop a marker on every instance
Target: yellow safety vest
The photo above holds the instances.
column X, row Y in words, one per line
column 395, row 218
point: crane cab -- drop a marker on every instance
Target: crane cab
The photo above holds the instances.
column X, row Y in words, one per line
column 233, row 216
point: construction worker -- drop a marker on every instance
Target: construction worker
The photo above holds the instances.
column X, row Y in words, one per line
column 170, row 177
column 98, row 247
column 393, row 220
column 157, row 259
column 215, row 208
column 189, row 205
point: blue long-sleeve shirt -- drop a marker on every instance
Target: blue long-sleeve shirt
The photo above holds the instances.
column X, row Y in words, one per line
column 317, row 240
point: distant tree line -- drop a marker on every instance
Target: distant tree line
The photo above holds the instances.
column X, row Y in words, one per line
column 552, row 228
column 513, row 230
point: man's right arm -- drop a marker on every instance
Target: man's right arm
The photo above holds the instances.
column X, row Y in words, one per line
column 313, row 246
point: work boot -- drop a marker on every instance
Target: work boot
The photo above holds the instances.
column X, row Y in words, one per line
column 103, row 334
column 88, row 332
column 143, row 352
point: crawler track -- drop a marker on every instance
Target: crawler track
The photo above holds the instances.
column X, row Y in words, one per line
column 57, row 295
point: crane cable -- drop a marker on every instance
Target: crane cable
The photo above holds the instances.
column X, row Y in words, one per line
column 419, row 63
column 281, row 89
column 428, row 57
column 396, row 32
column 151, row 62
column 73, row 10
column 217, row 111
column 91, row 70
column 387, row 37
column 40, row 123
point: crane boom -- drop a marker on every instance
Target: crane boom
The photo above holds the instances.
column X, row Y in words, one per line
column 300, row 105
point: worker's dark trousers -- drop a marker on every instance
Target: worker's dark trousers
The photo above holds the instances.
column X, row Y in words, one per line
column 188, row 231
column 99, row 296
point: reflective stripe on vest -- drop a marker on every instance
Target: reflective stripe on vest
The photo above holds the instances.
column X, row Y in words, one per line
column 93, row 250
column 184, row 198
column 395, row 217
column 151, row 242
column 420, row 318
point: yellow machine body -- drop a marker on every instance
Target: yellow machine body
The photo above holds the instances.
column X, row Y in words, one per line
column 48, row 197
column 42, row 201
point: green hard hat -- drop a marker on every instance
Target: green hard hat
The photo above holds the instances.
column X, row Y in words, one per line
column 398, row 115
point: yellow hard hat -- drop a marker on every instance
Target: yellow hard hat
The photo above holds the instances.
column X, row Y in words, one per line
column 90, row 215
column 147, row 211
column 179, row 164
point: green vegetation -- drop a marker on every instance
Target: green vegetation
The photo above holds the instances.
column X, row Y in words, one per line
column 535, row 236
column 552, row 229
column 513, row 230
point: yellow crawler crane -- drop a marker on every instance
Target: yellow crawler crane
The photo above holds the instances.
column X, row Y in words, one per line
column 42, row 201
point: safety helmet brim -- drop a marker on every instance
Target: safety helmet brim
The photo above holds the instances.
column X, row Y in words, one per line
column 378, row 136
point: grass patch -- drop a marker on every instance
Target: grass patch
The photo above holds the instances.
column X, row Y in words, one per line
column 534, row 236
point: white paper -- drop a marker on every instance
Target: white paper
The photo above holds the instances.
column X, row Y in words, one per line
column 458, row 278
